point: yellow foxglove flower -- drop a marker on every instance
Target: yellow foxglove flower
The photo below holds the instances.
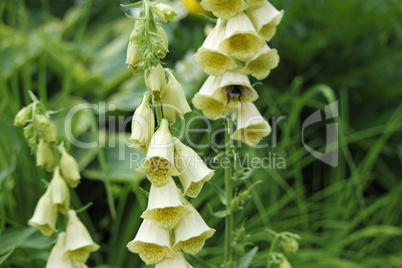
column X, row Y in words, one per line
column 45, row 215
column 241, row 40
column 142, row 125
column 23, row 116
column 44, row 155
column 165, row 206
column 251, row 126
column 177, row 261
column 165, row 12
column 69, row 169
column 134, row 57
column 265, row 19
column 206, row 101
column 193, row 7
column 209, row 57
column 191, row 232
column 159, row 162
column 162, row 46
column 194, row 172
column 51, row 133
column 224, row 9
column 152, row 243
column 155, row 82
column 56, row 258
column 79, row 243
column 261, row 64
column 174, row 101
column 60, row 192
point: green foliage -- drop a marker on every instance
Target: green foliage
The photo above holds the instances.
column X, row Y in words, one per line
column 347, row 216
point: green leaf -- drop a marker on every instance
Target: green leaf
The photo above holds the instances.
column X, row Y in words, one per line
column 219, row 214
column 248, row 258
column 135, row 5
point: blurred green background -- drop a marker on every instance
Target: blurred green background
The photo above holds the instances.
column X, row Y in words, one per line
column 73, row 52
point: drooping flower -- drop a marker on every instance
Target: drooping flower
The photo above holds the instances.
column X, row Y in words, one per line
column 79, row 243
column 165, row 12
column 60, row 193
column 161, row 46
column 209, row 57
column 51, row 133
column 45, row 215
column 191, row 232
column 142, row 125
column 155, row 81
column 134, row 57
column 194, row 172
column 159, row 162
column 44, row 155
column 261, row 64
column 174, row 102
column 251, row 126
column 165, row 206
column 224, row 9
column 241, row 40
column 265, row 19
column 69, row 169
column 152, row 243
column 177, row 261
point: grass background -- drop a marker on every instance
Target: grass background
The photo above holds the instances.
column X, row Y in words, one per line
column 73, row 52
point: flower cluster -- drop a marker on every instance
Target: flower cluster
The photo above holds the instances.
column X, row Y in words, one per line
column 171, row 224
column 73, row 246
column 235, row 48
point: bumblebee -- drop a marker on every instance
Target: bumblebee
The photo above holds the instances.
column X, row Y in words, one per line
column 235, row 92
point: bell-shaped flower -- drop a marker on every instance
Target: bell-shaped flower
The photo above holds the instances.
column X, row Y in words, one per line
column 45, row 215
column 134, row 57
column 241, row 40
column 209, row 57
column 191, row 232
column 142, row 125
column 152, row 243
column 56, row 258
column 205, row 100
column 161, row 46
column 194, row 172
column 23, row 116
column 224, row 9
column 159, row 162
column 251, row 126
column 44, row 155
column 155, row 81
column 177, row 261
column 174, row 102
column 69, row 169
column 51, row 133
column 165, row 12
column 165, row 206
column 79, row 243
column 265, row 19
column 261, row 64
column 60, row 192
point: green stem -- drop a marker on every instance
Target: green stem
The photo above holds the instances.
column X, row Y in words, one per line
column 271, row 249
column 229, row 195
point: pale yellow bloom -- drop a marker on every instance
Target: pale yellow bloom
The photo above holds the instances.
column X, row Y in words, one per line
column 51, row 133
column 224, row 9
column 142, row 125
column 165, row 206
column 23, row 116
column 261, row 64
column 152, row 243
column 162, row 46
column 191, row 232
column 159, row 162
column 45, row 215
column 241, row 40
column 44, row 155
column 265, row 19
column 69, row 169
column 194, row 172
column 209, row 57
column 165, row 12
column 174, row 101
column 155, row 82
column 134, row 57
column 79, row 243
column 177, row 261
column 60, row 192
column 251, row 126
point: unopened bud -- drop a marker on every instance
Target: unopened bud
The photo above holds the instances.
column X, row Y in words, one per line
column 23, row 116
column 290, row 245
column 234, row 204
column 134, row 57
column 44, row 155
column 51, row 133
column 28, row 132
column 285, row 264
column 161, row 47
column 136, row 36
column 165, row 12
column 240, row 233
column 155, row 82
column 42, row 121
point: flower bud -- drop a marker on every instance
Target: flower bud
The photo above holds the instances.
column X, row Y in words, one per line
column 69, row 169
column 28, row 131
column 155, row 82
column 290, row 244
column 240, row 233
column 165, row 12
column 44, row 155
column 234, row 204
column 136, row 36
column 45, row 215
column 42, row 121
column 224, row 9
column 79, row 243
column 51, row 133
column 161, row 46
column 174, row 101
column 23, row 116
column 284, row 264
column 60, row 192
column 134, row 57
